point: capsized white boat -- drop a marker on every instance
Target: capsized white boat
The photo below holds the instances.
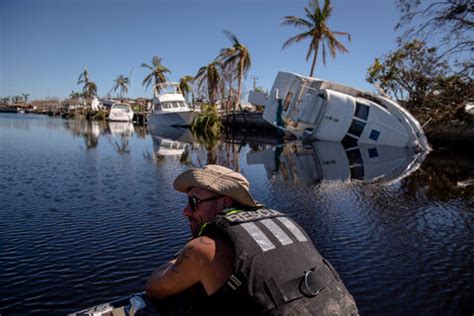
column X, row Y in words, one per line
column 319, row 109
column 170, row 107
column 120, row 112
column 310, row 163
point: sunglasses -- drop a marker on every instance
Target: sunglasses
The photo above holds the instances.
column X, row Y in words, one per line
column 194, row 201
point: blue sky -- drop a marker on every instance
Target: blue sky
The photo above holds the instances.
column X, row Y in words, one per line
column 45, row 44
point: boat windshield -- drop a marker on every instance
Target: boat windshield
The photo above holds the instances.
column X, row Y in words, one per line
column 172, row 105
column 121, row 107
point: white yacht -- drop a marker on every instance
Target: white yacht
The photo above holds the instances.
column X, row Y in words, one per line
column 120, row 112
column 170, row 107
column 323, row 110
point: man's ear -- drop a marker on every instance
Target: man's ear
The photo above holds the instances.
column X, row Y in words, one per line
column 227, row 202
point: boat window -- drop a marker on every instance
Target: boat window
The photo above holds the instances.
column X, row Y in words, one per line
column 374, row 134
column 373, row 153
column 175, row 104
column 362, row 111
column 287, row 102
column 357, row 173
column 354, row 156
column 357, row 127
column 165, row 105
column 121, row 106
column 349, row 141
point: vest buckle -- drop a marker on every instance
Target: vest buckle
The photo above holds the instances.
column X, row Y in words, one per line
column 234, row 282
column 308, row 289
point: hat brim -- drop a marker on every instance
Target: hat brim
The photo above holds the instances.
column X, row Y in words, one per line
column 218, row 183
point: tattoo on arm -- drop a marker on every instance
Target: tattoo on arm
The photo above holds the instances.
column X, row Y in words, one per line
column 183, row 255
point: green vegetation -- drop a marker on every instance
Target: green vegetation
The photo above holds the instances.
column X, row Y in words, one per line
column 207, row 125
column 210, row 75
column 446, row 24
column 185, row 87
column 237, row 58
column 157, row 74
column 317, row 31
column 89, row 89
column 431, row 79
column 122, row 83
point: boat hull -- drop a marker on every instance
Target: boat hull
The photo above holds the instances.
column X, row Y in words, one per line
column 175, row 119
column 323, row 110
column 120, row 114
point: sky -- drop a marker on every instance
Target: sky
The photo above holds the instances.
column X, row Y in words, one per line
column 45, row 44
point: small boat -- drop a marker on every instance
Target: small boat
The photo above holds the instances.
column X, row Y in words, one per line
column 469, row 108
column 136, row 304
column 319, row 109
column 169, row 107
column 120, row 112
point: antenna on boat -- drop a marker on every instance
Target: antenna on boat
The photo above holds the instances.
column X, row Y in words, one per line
column 131, row 79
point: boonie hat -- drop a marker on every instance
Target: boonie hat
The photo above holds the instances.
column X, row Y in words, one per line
column 218, row 179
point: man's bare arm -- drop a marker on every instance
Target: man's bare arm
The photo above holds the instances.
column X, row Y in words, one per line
column 179, row 274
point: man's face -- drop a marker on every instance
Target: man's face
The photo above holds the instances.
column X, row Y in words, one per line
column 205, row 211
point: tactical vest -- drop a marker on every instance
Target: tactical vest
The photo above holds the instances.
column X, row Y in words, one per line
column 277, row 270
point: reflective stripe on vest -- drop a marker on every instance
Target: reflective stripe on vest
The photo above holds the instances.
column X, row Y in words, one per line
column 264, row 242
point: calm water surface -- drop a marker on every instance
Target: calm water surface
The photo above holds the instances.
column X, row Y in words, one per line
column 88, row 211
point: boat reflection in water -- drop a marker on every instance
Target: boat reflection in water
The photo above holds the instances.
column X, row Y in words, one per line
column 120, row 133
column 313, row 162
column 171, row 141
column 122, row 129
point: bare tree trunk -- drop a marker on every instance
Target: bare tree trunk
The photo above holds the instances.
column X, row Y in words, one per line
column 230, row 94
column 313, row 66
column 241, row 74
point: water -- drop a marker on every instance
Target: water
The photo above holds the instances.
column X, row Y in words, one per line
column 88, row 211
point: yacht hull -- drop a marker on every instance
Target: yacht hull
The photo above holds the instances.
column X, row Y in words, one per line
column 176, row 119
column 318, row 109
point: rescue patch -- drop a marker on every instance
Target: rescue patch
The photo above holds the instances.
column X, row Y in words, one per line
column 243, row 217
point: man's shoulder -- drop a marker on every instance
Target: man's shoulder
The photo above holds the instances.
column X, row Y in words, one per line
column 207, row 246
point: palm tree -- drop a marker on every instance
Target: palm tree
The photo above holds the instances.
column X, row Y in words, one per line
column 74, row 95
column 184, row 85
column 25, row 97
column 121, row 82
column 317, row 31
column 211, row 74
column 157, row 74
column 237, row 56
column 90, row 88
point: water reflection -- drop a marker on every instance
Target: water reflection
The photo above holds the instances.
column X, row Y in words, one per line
column 120, row 132
column 171, row 142
column 444, row 176
column 313, row 162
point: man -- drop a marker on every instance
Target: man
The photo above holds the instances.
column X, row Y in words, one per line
column 247, row 259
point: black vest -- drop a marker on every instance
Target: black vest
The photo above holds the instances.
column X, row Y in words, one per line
column 277, row 270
